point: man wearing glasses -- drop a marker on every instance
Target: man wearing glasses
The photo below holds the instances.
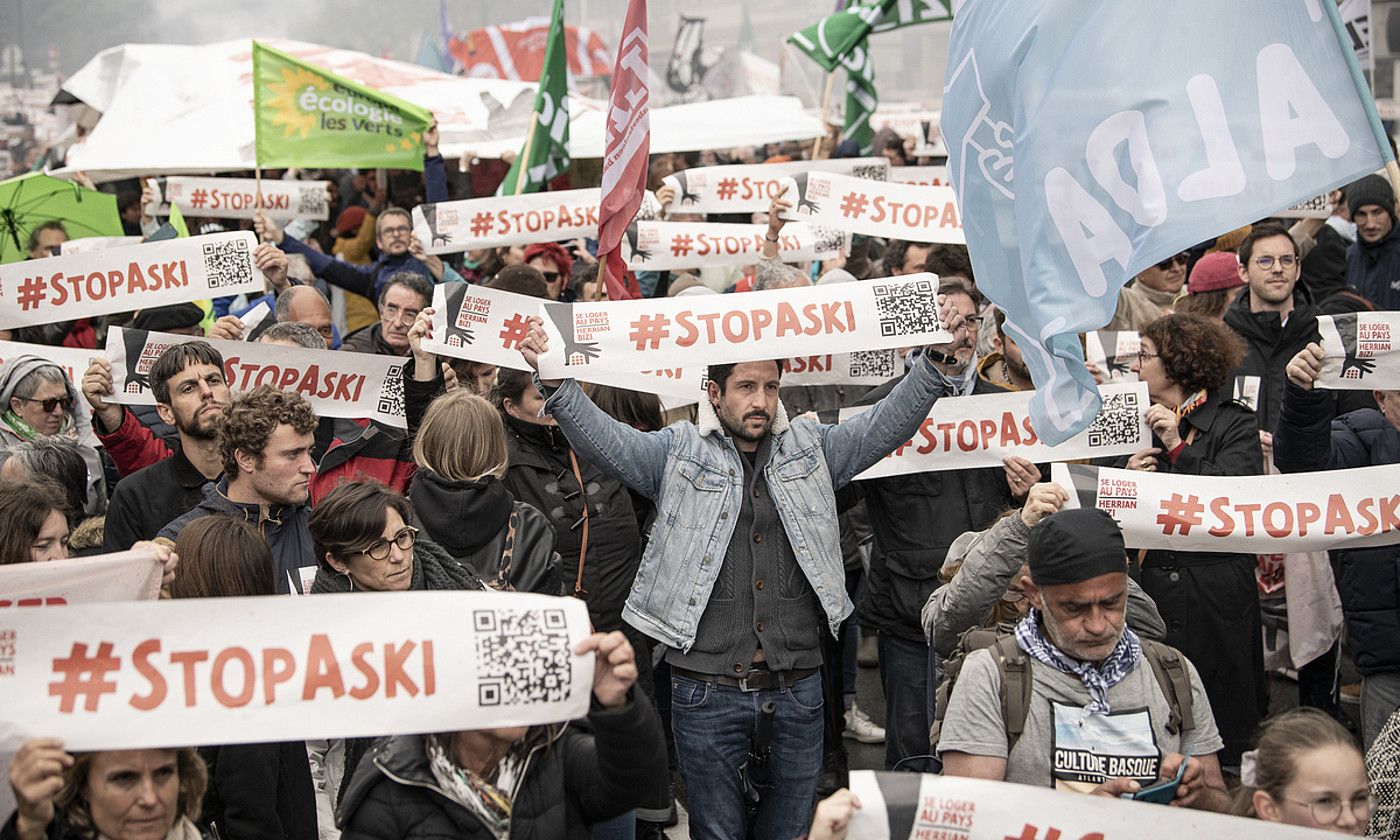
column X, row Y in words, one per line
column 1150, row 295
column 36, row 401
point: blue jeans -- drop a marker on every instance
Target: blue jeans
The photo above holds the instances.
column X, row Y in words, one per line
column 617, row 828
column 714, row 726
column 904, row 675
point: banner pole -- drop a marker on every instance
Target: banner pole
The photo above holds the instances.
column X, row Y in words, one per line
column 599, row 284
column 826, row 105
column 522, row 179
column 1363, row 91
column 257, row 184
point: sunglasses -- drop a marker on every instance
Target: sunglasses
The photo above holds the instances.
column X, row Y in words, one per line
column 53, row 402
column 550, row 276
column 1171, row 261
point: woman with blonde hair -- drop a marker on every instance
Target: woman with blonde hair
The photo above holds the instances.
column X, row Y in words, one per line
column 1306, row 770
column 112, row 794
column 461, row 503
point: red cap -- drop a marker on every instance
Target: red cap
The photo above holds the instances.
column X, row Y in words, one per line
column 349, row 220
column 553, row 251
column 1214, row 272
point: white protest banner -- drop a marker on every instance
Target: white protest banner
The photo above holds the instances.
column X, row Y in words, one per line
column 95, row 243
column 161, row 674
column 1360, row 351
column 978, row 431
column 924, row 176
column 629, row 335
column 658, row 246
column 744, row 188
column 1113, row 352
column 450, row 227
column 337, row 384
column 486, row 325
column 909, row 806
column 859, row 367
column 875, row 208
column 132, row 277
column 1256, row 514
column 123, row 576
column 73, row 360
column 237, row 198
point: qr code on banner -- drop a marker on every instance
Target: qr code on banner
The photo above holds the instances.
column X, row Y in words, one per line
column 906, row 309
column 879, row 363
column 391, row 393
column 228, row 264
column 873, row 173
column 522, row 656
column 311, row 201
column 1118, row 423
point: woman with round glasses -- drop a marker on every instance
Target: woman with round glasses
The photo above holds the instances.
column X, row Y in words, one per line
column 1209, row 600
column 364, row 541
column 1306, row 771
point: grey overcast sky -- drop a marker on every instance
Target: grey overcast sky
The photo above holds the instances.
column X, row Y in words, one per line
column 908, row 64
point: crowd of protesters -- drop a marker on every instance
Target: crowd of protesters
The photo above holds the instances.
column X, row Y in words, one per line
column 725, row 554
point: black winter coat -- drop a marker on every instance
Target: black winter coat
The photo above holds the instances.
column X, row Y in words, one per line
column 1368, row 579
column 1271, row 344
column 914, row 519
column 574, row 779
column 1209, row 600
column 541, row 475
column 259, row 792
column 1375, row 270
column 472, row 520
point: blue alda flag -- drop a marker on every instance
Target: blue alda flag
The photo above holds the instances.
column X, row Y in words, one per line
column 1089, row 139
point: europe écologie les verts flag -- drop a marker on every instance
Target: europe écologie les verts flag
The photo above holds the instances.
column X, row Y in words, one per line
column 307, row 116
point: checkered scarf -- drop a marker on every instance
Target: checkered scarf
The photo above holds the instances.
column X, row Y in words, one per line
column 1098, row 681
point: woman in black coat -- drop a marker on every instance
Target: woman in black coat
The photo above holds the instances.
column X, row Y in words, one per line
column 460, row 501
column 549, row 782
column 1209, row 600
column 255, row 790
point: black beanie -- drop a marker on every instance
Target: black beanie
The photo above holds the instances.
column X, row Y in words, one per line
column 165, row 318
column 1373, row 189
column 1075, row 545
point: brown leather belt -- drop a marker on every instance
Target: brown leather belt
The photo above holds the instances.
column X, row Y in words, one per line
column 756, row 680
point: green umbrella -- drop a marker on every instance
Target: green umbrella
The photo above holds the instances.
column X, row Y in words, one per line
column 30, row 200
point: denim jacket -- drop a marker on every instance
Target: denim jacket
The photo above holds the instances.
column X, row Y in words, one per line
column 694, row 473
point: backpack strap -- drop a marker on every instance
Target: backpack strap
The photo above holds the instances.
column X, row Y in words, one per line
column 1015, row 669
column 502, row 581
column 1169, row 667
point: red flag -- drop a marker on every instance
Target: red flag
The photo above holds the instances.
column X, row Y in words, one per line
column 627, row 145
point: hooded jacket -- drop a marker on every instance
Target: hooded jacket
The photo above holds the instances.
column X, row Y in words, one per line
column 1270, row 344
column 472, row 520
column 78, row 429
column 1375, row 269
column 540, row 473
column 575, row 776
column 283, row 526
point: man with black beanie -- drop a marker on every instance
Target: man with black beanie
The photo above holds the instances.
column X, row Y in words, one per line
column 1373, row 262
column 1099, row 719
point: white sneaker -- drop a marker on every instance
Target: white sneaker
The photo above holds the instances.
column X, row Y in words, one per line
column 862, row 728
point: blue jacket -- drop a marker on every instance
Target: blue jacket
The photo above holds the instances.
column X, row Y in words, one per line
column 695, row 475
column 1368, row 579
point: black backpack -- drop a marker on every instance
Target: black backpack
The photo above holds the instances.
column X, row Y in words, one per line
column 1014, row 667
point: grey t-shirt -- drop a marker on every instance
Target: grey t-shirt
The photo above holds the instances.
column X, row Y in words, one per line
column 1063, row 748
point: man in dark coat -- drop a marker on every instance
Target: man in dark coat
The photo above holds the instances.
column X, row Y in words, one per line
column 1373, row 262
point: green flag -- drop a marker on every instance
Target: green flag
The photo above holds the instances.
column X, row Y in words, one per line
column 177, row 221
column 546, row 152
column 306, row 116
column 861, row 96
column 831, row 39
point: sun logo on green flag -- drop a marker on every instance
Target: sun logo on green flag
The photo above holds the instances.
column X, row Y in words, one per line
column 283, row 101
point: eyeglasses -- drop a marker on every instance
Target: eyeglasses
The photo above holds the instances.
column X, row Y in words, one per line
column 53, row 402
column 397, row 230
column 1143, row 356
column 550, row 276
column 1170, row 261
column 380, row 548
column 1286, row 261
column 1328, row 809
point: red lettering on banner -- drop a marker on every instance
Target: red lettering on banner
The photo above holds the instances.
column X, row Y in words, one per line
column 1308, row 513
column 187, row 659
column 787, row 321
column 689, row 334
column 1390, row 517
column 278, row 666
column 1338, row 516
column 1369, row 523
column 1248, row 511
column 926, row 431
column 322, row 671
column 394, row 672
column 359, row 658
column 50, row 601
column 250, row 672
column 141, row 661
column 1269, row 520
column 1221, row 508
column 989, row 432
